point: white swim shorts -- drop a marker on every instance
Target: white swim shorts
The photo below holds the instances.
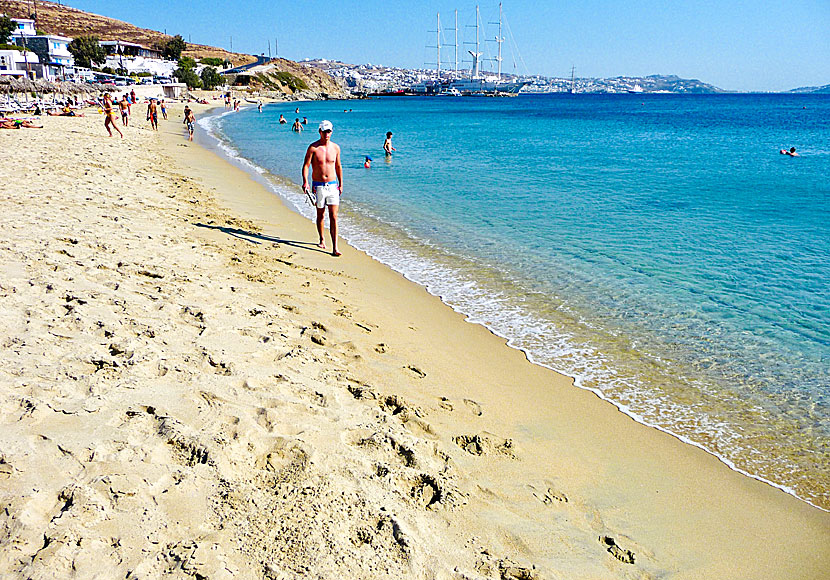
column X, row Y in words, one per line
column 326, row 193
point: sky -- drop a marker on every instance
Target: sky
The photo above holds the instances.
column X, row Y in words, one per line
column 739, row 45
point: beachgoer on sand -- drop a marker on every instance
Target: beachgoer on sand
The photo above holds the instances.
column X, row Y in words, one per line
column 18, row 124
column 109, row 115
column 153, row 114
column 323, row 156
column 387, row 144
column 189, row 120
column 124, row 106
column 163, row 109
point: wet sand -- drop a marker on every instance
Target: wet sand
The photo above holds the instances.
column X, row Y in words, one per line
column 190, row 387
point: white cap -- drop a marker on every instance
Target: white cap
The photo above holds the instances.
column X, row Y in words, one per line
column 326, row 126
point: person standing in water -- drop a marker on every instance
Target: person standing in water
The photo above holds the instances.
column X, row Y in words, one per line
column 323, row 156
column 387, row 145
column 296, row 127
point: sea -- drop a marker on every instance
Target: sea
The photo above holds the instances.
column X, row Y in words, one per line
column 658, row 248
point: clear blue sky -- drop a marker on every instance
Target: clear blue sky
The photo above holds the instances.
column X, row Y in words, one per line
column 744, row 45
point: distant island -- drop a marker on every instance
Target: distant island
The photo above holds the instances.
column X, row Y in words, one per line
column 372, row 78
column 823, row 90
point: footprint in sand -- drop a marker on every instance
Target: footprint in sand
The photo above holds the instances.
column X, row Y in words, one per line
column 416, row 371
column 548, row 495
column 484, row 444
column 621, row 554
column 474, row 407
column 426, row 491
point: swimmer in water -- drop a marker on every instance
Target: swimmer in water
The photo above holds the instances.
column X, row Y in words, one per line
column 368, row 163
column 791, row 152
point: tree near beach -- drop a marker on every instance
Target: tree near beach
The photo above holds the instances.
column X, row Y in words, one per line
column 210, row 78
column 174, row 47
column 86, row 51
column 7, row 26
column 186, row 73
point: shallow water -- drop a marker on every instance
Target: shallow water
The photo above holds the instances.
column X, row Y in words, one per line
column 657, row 248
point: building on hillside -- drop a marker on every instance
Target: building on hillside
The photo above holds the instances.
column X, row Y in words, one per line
column 19, row 64
column 25, row 27
column 128, row 49
column 53, row 52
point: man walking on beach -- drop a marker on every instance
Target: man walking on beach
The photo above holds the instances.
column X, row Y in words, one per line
column 189, row 119
column 323, row 156
column 153, row 115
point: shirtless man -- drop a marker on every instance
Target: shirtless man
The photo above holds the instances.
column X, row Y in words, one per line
column 153, row 114
column 124, row 105
column 109, row 115
column 296, row 127
column 323, row 156
column 189, row 119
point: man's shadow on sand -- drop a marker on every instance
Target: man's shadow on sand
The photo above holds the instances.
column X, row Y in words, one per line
column 255, row 238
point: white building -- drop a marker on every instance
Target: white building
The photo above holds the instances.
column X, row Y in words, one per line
column 53, row 52
column 25, row 27
column 16, row 63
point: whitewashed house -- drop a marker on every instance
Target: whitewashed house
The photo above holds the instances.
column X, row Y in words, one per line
column 53, row 52
column 19, row 64
column 25, row 27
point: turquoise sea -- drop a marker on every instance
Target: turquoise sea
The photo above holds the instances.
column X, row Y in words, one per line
column 657, row 248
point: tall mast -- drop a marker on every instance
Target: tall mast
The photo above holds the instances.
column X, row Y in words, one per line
column 438, row 45
column 499, row 40
column 456, row 42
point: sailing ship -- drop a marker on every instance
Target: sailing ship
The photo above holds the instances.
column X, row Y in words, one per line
column 477, row 84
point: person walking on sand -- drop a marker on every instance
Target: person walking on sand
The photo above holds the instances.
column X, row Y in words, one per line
column 109, row 115
column 163, row 109
column 124, row 106
column 323, row 156
column 189, row 119
column 153, row 114
column 387, row 144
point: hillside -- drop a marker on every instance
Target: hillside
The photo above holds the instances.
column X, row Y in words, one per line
column 53, row 18
column 823, row 90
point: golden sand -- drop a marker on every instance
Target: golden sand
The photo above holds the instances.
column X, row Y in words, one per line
column 189, row 387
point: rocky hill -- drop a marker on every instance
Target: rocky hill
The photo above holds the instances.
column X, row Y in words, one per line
column 54, row 18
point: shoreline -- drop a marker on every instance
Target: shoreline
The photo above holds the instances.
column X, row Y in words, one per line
column 217, row 146
column 274, row 411
column 505, row 341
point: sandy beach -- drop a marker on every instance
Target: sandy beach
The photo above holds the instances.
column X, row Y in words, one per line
column 189, row 387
